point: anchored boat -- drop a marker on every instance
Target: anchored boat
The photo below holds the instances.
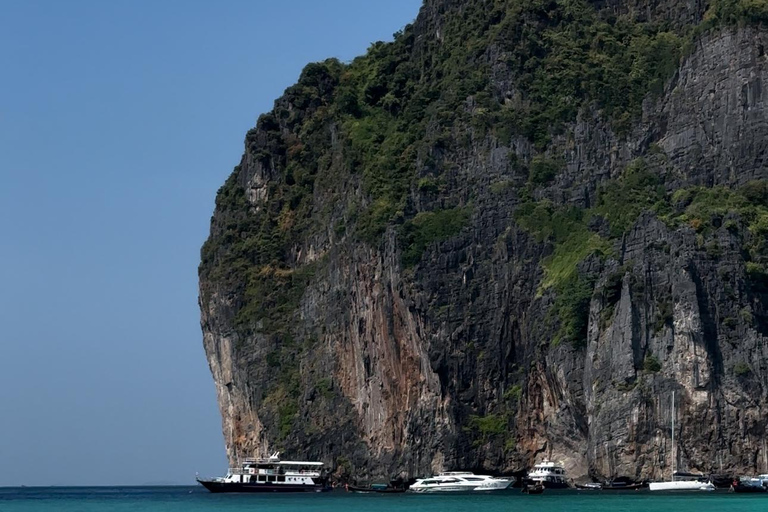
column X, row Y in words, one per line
column 748, row 484
column 453, row 481
column 549, row 474
column 591, row 486
column 681, row 481
column 533, row 488
column 376, row 488
column 271, row 475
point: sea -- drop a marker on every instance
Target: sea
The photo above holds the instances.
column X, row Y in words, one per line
column 197, row 499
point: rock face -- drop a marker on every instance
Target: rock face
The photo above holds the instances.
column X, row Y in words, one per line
column 335, row 346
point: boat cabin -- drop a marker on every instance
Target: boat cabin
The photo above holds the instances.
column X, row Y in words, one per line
column 272, row 470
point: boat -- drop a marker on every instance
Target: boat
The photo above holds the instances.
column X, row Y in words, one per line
column 721, row 481
column 377, row 488
column 621, row 483
column 271, row 474
column 684, row 482
column 748, row 485
column 591, row 486
column 624, row 483
column 549, row 474
column 454, row 481
column 681, row 481
column 625, row 487
column 533, row 488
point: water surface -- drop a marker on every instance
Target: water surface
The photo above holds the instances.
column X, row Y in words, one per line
column 197, row 499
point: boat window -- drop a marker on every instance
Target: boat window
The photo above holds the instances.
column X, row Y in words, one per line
column 261, row 478
column 271, row 478
column 281, row 478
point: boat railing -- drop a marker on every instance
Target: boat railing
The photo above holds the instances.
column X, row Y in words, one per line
column 273, row 472
column 679, row 476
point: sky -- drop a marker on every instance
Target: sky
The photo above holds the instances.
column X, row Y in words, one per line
column 119, row 121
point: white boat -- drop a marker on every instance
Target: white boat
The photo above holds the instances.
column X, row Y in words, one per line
column 456, row 481
column 549, row 474
column 271, row 475
column 681, row 481
column 683, row 484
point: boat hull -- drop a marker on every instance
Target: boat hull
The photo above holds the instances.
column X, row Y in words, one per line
column 749, row 485
column 459, row 488
column 497, row 485
column 681, row 486
column 748, row 488
column 548, row 484
column 532, row 489
column 629, row 487
column 219, row 487
column 556, row 485
column 366, row 490
column 443, row 488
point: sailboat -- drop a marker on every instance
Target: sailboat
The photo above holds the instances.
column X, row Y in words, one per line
column 681, row 481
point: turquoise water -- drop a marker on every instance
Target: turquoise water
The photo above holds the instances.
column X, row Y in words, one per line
column 196, row 499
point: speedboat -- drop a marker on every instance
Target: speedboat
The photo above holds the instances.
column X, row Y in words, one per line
column 454, row 481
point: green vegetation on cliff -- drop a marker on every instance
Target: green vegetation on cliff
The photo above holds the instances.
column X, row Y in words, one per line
column 730, row 12
column 430, row 227
column 620, row 202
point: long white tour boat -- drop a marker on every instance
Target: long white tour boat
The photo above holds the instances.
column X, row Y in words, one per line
column 456, row 481
column 271, row 475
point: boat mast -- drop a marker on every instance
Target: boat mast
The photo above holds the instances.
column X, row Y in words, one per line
column 673, row 436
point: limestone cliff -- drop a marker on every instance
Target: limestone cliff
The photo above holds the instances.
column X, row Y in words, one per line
column 511, row 233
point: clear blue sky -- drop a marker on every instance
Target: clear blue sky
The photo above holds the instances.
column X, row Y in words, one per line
column 119, row 120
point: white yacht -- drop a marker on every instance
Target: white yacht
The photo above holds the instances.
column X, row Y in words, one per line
column 549, row 474
column 453, row 481
column 681, row 481
column 271, row 475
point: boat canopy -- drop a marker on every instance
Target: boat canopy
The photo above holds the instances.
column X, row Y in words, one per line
column 275, row 460
column 283, row 462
